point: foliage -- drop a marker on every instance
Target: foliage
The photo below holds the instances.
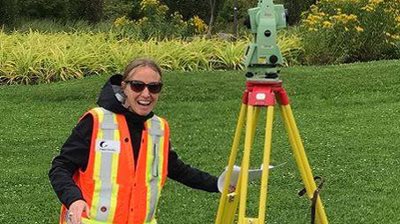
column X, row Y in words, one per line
column 190, row 8
column 226, row 13
column 291, row 46
column 94, row 10
column 157, row 23
column 225, row 17
column 117, row 8
column 90, row 10
column 8, row 11
column 45, row 9
column 336, row 109
column 34, row 57
column 65, row 10
column 352, row 30
column 47, row 26
column 296, row 8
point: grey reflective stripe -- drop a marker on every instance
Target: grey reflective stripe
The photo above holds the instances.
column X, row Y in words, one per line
column 154, row 167
column 108, row 127
column 155, row 132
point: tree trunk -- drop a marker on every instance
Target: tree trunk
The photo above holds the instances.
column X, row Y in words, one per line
column 211, row 23
column 235, row 19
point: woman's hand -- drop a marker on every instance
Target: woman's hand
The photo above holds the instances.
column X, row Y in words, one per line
column 75, row 212
column 231, row 188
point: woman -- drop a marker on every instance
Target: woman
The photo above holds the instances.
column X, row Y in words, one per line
column 114, row 164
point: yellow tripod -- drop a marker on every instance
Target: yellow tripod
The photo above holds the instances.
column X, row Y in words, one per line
column 259, row 94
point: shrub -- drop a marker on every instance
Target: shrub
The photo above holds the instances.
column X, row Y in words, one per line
column 43, row 9
column 117, row 8
column 295, row 8
column 351, row 30
column 40, row 58
column 191, row 8
column 156, row 23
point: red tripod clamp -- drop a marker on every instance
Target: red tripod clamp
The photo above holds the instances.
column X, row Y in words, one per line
column 264, row 93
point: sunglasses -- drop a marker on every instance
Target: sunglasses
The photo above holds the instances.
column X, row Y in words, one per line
column 139, row 86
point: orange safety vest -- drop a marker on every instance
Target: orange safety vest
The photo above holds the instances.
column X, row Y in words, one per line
column 115, row 189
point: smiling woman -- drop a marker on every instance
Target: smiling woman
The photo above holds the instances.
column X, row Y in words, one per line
column 144, row 79
column 115, row 163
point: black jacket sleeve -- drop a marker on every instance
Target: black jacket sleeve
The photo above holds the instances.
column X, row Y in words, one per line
column 73, row 156
column 189, row 176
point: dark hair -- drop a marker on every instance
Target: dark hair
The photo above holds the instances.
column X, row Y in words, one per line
column 141, row 62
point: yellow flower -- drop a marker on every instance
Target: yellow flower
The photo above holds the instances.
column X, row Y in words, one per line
column 327, row 24
column 199, row 24
column 122, row 21
column 148, row 3
column 367, row 8
column 352, row 17
column 371, row 6
column 375, row 1
column 359, row 29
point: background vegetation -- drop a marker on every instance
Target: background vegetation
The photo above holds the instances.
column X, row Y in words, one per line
column 352, row 30
column 44, row 41
column 36, row 58
column 348, row 117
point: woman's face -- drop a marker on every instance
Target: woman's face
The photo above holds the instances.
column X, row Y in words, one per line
column 141, row 102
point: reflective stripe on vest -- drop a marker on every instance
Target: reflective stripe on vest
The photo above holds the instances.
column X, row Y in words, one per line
column 106, row 167
column 113, row 189
column 155, row 143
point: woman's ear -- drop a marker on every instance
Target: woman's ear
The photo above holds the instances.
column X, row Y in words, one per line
column 120, row 94
column 123, row 85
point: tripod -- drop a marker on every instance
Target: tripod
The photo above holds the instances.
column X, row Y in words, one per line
column 260, row 94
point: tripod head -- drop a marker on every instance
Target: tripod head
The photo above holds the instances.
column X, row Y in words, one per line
column 263, row 55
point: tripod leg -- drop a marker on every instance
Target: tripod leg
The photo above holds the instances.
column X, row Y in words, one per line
column 266, row 159
column 301, row 160
column 252, row 113
column 225, row 213
column 229, row 201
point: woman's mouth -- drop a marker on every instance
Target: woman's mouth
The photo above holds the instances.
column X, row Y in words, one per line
column 144, row 102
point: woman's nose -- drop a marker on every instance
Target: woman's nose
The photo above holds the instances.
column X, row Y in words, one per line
column 145, row 92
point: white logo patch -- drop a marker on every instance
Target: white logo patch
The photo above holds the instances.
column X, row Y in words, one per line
column 108, row 146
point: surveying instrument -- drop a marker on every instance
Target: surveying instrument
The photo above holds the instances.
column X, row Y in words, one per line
column 263, row 90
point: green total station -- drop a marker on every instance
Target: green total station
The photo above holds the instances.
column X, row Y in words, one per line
column 263, row 56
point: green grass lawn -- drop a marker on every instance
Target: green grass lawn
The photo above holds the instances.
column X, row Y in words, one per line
column 348, row 116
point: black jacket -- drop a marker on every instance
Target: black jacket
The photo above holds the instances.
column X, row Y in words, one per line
column 74, row 153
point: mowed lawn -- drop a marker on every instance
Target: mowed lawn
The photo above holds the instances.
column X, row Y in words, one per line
column 348, row 116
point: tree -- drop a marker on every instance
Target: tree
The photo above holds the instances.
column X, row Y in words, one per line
column 227, row 12
column 211, row 21
column 90, row 10
column 8, row 12
column 295, row 8
column 189, row 8
column 94, row 10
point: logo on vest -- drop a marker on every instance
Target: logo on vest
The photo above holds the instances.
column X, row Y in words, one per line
column 108, row 146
